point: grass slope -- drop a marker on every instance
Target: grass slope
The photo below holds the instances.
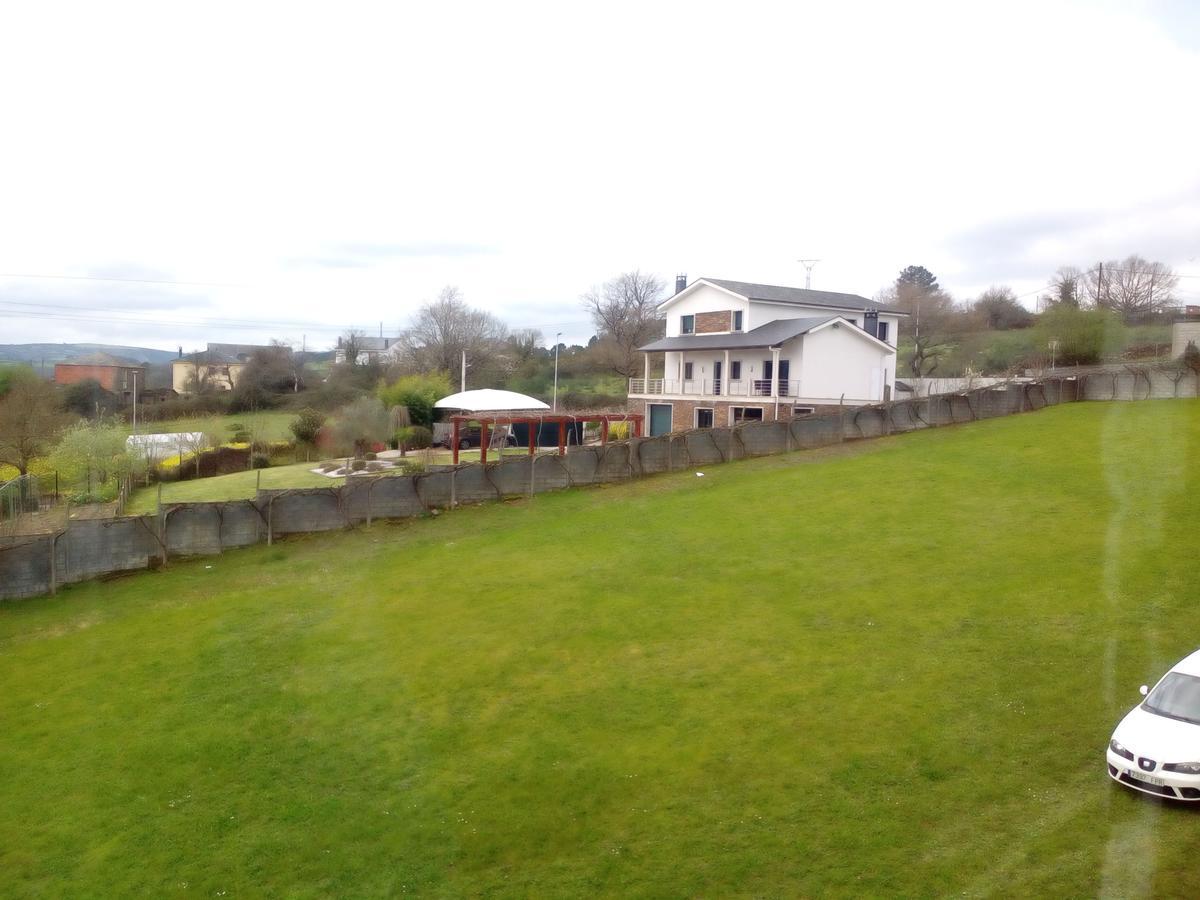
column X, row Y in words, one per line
column 886, row 669
column 235, row 486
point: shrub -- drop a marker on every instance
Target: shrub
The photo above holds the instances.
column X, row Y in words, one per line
column 370, row 456
column 358, row 465
column 239, row 433
column 1084, row 336
column 1191, row 356
column 363, row 423
column 418, row 393
column 619, row 431
column 414, row 437
column 307, row 425
column 260, row 461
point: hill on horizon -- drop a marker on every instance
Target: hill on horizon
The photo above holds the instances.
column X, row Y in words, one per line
column 48, row 354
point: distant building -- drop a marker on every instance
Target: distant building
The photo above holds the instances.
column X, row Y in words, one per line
column 370, row 350
column 114, row 374
column 217, row 368
column 740, row 352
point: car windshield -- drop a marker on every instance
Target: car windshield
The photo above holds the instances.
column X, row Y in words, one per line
column 1176, row 696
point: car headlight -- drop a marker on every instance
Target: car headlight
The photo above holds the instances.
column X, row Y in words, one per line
column 1189, row 768
column 1120, row 749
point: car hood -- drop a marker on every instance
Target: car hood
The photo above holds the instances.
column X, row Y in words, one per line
column 1159, row 738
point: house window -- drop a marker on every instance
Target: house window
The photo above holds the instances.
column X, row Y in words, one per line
column 735, row 369
column 737, row 321
column 687, row 371
column 746, row 414
column 704, row 417
column 687, row 324
column 798, row 411
column 883, row 331
column 854, row 322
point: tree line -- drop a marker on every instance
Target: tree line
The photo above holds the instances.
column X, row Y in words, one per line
column 1079, row 319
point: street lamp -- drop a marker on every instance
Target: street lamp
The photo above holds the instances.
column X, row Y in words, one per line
column 554, row 405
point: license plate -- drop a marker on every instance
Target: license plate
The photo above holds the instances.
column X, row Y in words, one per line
column 1142, row 776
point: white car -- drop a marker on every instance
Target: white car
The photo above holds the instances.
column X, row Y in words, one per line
column 1156, row 748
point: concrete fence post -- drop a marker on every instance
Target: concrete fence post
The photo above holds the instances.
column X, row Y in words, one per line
column 54, row 564
column 453, row 487
column 532, row 462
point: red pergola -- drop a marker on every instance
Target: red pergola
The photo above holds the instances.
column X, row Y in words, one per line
column 488, row 422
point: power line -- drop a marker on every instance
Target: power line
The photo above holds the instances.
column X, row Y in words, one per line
column 125, row 280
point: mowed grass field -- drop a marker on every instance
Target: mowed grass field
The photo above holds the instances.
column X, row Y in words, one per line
column 889, row 668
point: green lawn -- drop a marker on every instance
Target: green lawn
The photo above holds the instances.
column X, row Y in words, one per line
column 270, row 425
column 236, row 486
column 885, row 669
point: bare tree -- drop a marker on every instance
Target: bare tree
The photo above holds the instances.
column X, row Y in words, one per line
column 524, row 345
column 29, row 422
column 1132, row 287
column 444, row 329
column 210, row 372
column 1066, row 288
column 351, row 344
column 998, row 309
column 931, row 322
column 625, row 314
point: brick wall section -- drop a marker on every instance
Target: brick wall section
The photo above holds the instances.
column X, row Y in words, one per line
column 111, row 378
column 714, row 322
column 683, row 412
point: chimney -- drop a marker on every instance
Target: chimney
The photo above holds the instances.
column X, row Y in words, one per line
column 680, row 283
column 181, row 351
column 871, row 322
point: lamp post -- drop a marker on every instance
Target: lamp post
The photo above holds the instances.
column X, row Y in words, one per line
column 554, row 404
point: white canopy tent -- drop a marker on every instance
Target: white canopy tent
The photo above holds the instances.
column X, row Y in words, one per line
column 489, row 400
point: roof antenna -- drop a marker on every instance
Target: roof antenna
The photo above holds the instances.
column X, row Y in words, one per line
column 808, row 267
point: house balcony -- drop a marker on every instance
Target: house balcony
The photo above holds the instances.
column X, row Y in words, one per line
column 709, row 387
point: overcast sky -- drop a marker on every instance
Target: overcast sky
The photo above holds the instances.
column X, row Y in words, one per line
column 305, row 168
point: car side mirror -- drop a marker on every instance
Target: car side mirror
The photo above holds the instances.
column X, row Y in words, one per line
column 1143, row 690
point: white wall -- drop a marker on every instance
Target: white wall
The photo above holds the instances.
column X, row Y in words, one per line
column 705, row 298
column 751, row 360
column 836, row 362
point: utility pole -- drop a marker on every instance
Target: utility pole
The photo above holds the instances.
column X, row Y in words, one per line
column 135, row 401
column 1100, row 287
column 808, row 267
column 464, row 371
column 554, row 405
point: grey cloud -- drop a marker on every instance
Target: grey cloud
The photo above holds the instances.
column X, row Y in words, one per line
column 1032, row 247
column 362, row 254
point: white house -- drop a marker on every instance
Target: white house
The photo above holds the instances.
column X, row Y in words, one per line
column 370, row 350
column 737, row 352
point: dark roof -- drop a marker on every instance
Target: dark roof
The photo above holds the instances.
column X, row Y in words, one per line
column 800, row 296
column 240, row 352
column 767, row 335
column 209, row 357
column 371, row 344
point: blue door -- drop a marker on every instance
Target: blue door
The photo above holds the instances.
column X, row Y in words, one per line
column 660, row 418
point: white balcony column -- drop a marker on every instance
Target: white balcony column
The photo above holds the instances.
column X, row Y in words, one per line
column 725, row 376
column 646, row 357
column 774, row 373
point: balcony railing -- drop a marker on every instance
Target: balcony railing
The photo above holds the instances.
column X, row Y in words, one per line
column 708, row 387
